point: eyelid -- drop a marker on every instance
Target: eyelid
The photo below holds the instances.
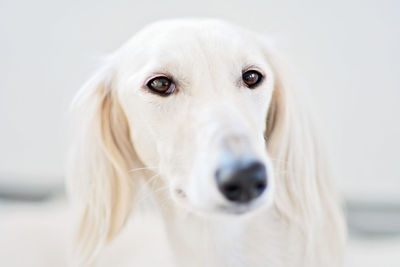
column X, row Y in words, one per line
column 253, row 68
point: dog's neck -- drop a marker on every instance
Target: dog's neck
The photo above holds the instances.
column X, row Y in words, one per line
column 198, row 240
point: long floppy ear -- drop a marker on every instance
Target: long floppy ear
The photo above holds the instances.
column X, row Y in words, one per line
column 99, row 182
column 304, row 194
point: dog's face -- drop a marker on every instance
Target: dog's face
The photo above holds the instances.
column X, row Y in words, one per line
column 196, row 97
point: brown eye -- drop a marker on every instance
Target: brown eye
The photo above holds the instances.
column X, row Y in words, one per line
column 161, row 85
column 252, row 78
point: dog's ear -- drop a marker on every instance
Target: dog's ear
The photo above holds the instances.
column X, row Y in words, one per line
column 102, row 155
column 304, row 195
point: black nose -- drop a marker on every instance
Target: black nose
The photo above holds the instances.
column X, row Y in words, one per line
column 242, row 182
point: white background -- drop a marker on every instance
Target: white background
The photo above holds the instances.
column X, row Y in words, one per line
column 346, row 52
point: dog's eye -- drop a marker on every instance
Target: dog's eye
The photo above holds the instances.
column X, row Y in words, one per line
column 252, row 78
column 161, row 85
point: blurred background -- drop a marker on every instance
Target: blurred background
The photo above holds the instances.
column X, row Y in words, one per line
column 345, row 54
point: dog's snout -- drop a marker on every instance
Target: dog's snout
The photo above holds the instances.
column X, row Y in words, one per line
column 242, row 182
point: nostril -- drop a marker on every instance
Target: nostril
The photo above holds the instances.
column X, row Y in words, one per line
column 260, row 186
column 231, row 188
column 231, row 191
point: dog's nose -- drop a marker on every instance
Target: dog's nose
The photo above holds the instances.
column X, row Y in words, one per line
column 242, row 182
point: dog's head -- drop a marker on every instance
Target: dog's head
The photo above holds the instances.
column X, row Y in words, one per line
column 200, row 103
column 196, row 96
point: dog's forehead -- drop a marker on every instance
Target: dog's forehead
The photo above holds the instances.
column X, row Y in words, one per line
column 180, row 33
column 198, row 41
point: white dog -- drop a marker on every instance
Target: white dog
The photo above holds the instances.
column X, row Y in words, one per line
column 203, row 112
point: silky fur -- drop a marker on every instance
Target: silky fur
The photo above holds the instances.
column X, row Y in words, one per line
column 126, row 136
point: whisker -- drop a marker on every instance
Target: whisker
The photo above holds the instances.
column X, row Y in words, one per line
column 142, row 168
column 144, row 187
column 148, row 183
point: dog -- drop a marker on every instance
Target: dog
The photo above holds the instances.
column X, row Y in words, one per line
column 205, row 115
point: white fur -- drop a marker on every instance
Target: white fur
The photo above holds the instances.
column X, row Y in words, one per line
column 128, row 136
